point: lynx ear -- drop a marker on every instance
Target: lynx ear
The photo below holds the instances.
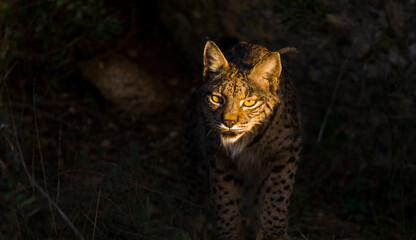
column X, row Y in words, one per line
column 214, row 60
column 267, row 71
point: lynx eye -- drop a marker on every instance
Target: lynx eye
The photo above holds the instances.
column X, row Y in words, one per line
column 249, row 103
column 216, row 99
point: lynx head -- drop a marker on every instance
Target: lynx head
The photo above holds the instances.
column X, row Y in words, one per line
column 237, row 101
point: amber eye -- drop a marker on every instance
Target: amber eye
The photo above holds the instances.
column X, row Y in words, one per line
column 249, row 103
column 216, row 99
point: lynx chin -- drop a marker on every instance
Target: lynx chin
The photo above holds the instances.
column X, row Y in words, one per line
column 241, row 142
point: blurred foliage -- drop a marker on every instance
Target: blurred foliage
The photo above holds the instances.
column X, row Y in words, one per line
column 45, row 32
column 299, row 12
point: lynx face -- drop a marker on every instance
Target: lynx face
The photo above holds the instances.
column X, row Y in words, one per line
column 238, row 101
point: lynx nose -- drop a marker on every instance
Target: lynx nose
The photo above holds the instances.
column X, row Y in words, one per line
column 230, row 123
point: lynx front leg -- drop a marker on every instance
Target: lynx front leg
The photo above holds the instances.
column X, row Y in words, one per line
column 274, row 200
column 226, row 188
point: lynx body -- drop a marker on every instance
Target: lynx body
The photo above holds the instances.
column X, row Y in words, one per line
column 242, row 140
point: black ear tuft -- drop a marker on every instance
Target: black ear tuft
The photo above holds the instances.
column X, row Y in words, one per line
column 227, row 43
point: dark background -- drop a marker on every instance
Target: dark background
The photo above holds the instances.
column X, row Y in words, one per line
column 93, row 93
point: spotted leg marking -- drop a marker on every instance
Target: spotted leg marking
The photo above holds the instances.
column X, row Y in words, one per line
column 274, row 200
column 226, row 188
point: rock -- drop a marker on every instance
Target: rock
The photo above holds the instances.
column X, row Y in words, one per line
column 123, row 83
column 192, row 22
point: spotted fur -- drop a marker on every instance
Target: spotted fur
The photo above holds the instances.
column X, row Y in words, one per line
column 232, row 147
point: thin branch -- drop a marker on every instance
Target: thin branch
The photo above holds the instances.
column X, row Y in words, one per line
column 6, row 75
column 90, row 220
column 96, row 213
column 58, row 184
column 41, row 157
column 301, row 234
column 334, row 95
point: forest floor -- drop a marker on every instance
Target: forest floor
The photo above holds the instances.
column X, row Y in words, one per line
column 114, row 174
